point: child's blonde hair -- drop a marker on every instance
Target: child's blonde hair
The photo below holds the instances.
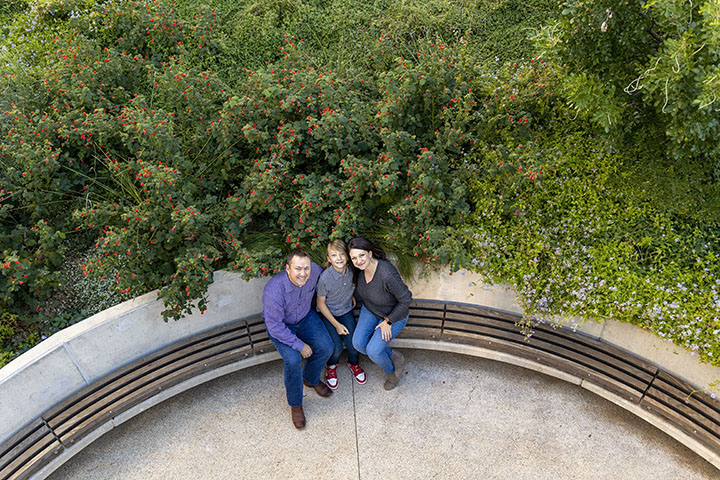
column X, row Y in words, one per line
column 337, row 245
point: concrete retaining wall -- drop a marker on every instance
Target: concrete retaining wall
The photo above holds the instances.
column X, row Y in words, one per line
column 84, row 352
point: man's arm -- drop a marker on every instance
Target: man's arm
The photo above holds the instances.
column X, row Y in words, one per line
column 273, row 314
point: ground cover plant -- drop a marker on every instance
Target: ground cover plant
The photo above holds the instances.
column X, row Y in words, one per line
column 146, row 144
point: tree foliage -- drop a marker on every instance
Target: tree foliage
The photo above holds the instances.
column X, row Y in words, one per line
column 645, row 69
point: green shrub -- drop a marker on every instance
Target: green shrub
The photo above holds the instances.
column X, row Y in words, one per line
column 251, row 33
column 579, row 229
column 576, row 243
column 644, row 70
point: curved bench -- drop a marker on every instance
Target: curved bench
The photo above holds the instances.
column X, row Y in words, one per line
column 657, row 396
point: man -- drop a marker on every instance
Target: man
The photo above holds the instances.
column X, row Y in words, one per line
column 296, row 330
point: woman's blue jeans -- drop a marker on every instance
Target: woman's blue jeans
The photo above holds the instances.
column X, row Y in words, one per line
column 311, row 331
column 369, row 341
column 347, row 319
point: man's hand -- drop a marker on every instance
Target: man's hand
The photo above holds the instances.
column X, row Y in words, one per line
column 306, row 351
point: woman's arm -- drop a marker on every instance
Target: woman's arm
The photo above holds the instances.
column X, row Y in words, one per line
column 396, row 286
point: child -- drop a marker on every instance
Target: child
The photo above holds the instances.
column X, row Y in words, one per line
column 335, row 301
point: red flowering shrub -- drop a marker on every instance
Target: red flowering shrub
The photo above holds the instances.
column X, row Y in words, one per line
column 170, row 176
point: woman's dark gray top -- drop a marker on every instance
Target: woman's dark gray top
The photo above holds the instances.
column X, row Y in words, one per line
column 386, row 295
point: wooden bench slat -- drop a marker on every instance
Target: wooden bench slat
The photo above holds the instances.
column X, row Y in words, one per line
column 594, row 370
column 145, row 366
column 420, row 332
column 422, row 327
column 85, row 408
column 489, row 315
column 24, row 435
column 41, row 456
column 174, row 350
column 14, row 446
column 471, row 328
column 428, row 314
column 132, row 395
column 478, row 311
column 425, row 322
column 549, row 331
column 471, row 319
column 701, row 401
column 417, row 311
column 600, row 353
column 516, row 349
column 603, row 357
column 237, row 329
column 426, row 305
column 258, row 335
column 687, row 407
column 657, row 407
column 594, row 343
column 27, row 451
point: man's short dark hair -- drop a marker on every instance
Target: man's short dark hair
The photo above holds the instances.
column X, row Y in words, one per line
column 296, row 252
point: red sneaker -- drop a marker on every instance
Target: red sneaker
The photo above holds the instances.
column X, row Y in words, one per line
column 358, row 373
column 331, row 376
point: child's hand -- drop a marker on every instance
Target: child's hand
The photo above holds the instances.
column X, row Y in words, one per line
column 342, row 330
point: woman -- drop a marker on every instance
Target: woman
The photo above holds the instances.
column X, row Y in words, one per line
column 385, row 305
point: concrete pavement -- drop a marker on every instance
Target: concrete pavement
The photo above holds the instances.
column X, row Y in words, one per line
column 451, row 416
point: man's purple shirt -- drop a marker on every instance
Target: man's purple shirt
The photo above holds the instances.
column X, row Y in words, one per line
column 286, row 304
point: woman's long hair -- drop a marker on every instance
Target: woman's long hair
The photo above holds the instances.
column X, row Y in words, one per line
column 361, row 243
column 364, row 244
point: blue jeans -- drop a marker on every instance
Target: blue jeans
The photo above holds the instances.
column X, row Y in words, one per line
column 368, row 340
column 347, row 319
column 311, row 331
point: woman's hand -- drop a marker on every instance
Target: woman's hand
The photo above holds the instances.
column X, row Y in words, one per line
column 342, row 329
column 385, row 331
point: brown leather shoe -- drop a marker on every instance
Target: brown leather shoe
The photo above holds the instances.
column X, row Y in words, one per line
column 321, row 389
column 298, row 417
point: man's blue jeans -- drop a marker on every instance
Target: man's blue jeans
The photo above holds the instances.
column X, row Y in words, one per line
column 347, row 319
column 311, row 331
column 368, row 340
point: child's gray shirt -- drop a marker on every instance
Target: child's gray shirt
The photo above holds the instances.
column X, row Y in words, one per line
column 337, row 289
